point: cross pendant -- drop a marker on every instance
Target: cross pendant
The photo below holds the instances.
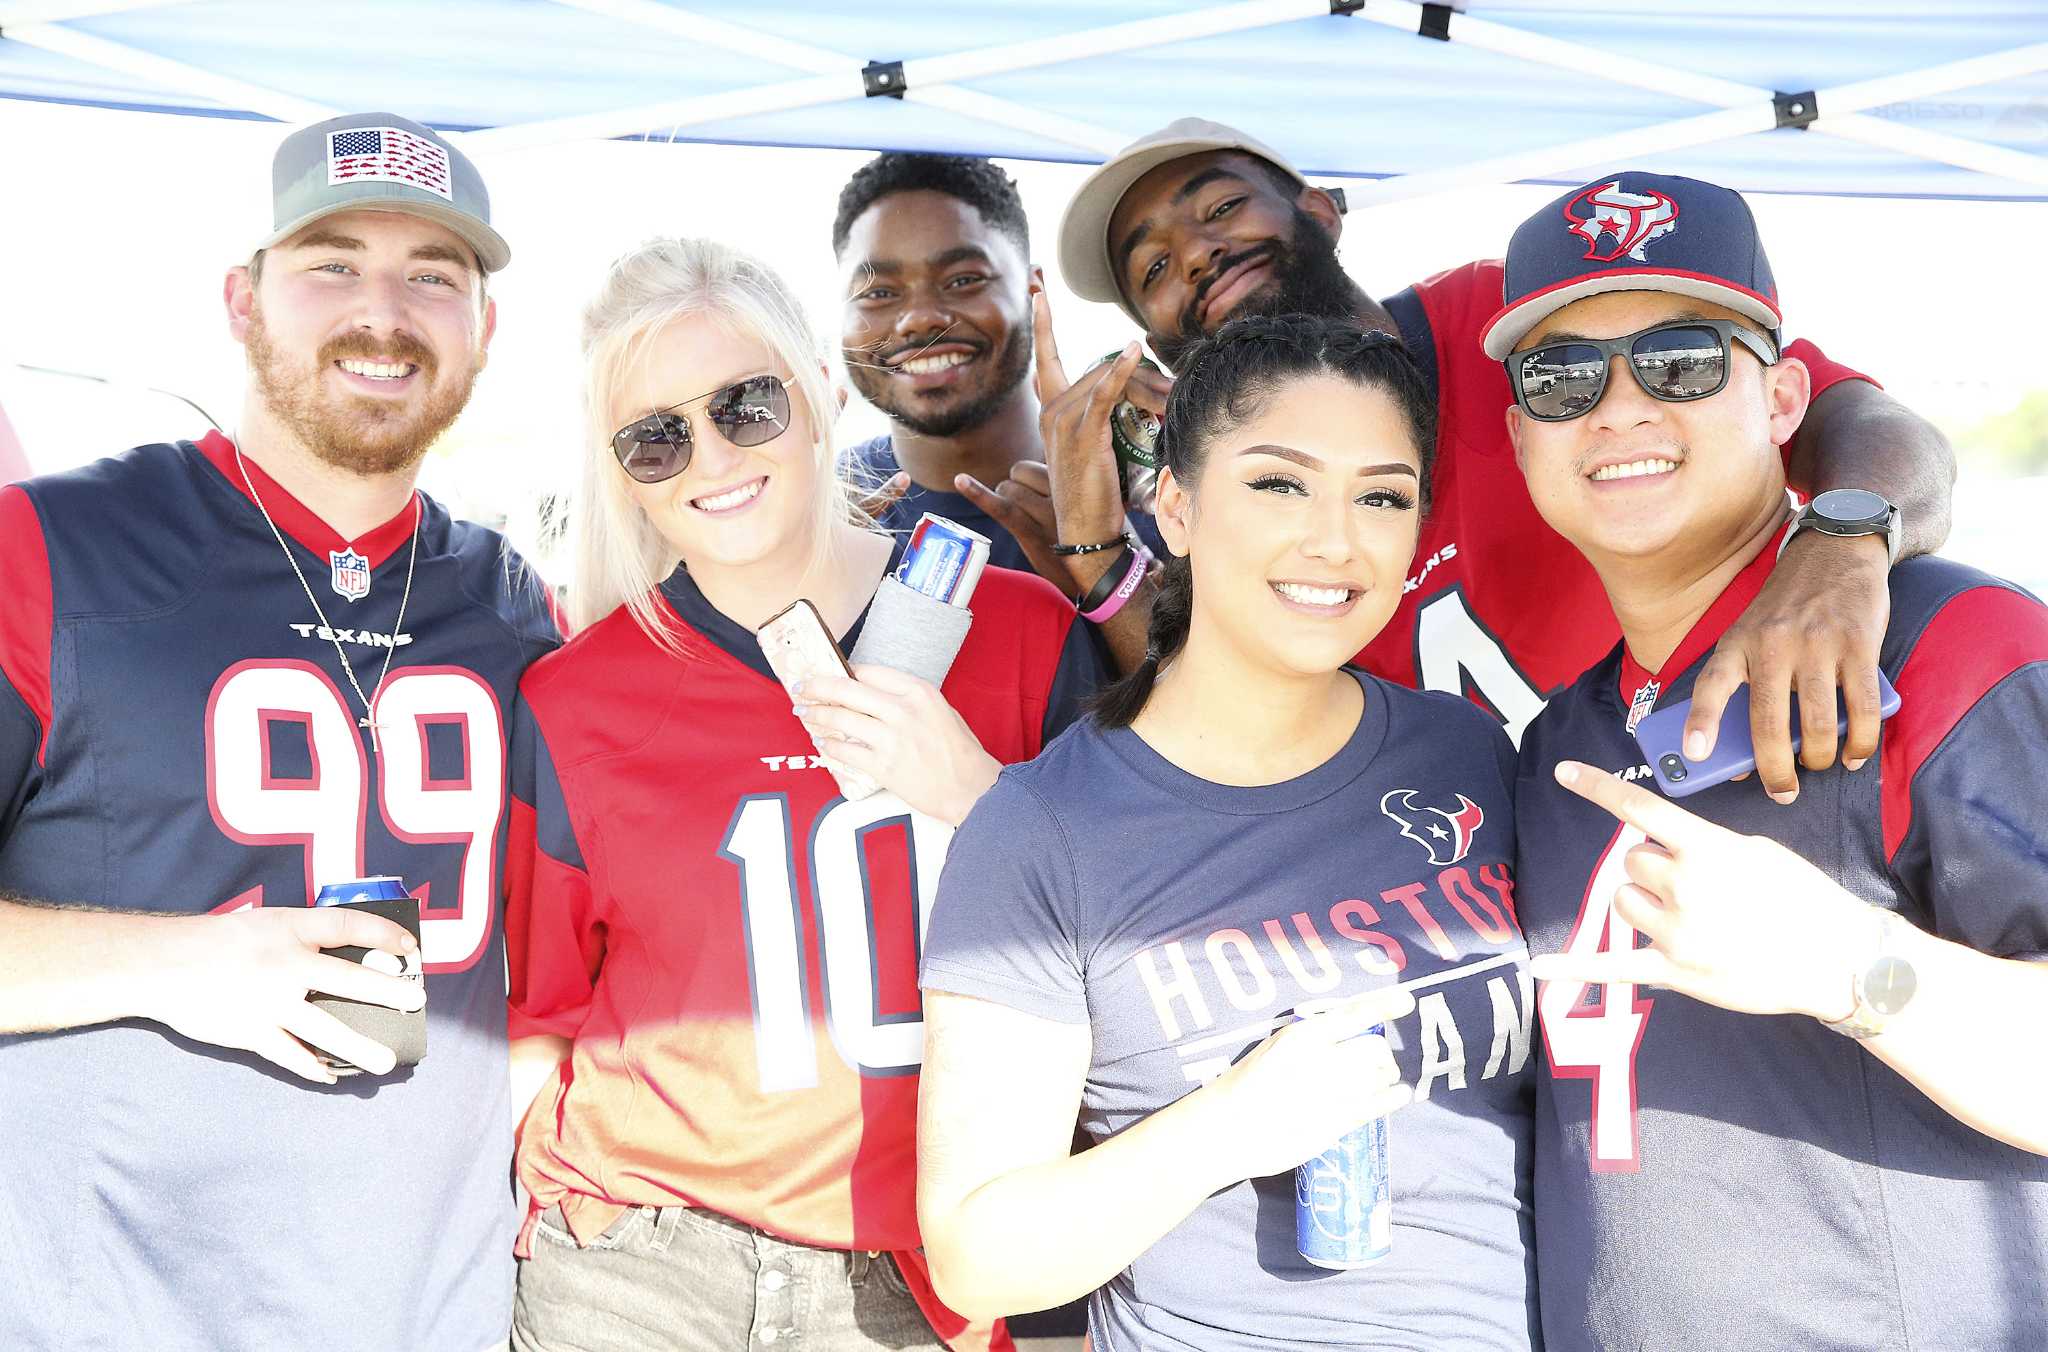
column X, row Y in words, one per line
column 364, row 722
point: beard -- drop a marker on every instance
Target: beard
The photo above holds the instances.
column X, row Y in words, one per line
column 1306, row 279
column 1012, row 366
column 365, row 436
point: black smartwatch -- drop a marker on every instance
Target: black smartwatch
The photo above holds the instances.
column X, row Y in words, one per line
column 1851, row 511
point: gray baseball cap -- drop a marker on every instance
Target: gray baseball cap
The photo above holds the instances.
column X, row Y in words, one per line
column 1084, row 230
column 380, row 162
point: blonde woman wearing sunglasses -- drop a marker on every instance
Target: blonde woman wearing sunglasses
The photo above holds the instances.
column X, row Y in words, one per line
column 713, row 952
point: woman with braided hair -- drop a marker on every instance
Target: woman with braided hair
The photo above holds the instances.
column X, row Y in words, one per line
column 1133, row 926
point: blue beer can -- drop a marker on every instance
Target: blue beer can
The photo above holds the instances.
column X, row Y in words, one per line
column 943, row 560
column 1344, row 1199
column 361, row 889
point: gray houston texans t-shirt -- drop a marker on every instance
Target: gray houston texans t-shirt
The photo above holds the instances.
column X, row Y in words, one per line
column 1183, row 920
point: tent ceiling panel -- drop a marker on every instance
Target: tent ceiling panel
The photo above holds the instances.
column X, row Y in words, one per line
column 1345, row 96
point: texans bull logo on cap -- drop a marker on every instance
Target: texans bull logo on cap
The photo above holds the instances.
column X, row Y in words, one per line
column 1619, row 232
column 1446, row 835
column 1630, row 219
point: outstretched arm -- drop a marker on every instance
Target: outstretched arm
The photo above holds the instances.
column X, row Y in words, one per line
column 1816, row 626
column 1702, row 894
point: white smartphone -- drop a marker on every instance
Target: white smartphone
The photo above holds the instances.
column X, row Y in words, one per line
column 798, row 646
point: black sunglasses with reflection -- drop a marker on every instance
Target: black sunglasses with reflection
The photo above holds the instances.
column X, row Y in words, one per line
column 746, row 413
column 1676, row 362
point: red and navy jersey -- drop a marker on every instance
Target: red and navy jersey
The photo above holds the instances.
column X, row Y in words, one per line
column 732, row 945
column 1692, row 1162
column 177, row 735
column 1497, row 606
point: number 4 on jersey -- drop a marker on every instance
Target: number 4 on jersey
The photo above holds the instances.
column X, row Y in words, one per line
column 1599, row 1043
column 1452, row 650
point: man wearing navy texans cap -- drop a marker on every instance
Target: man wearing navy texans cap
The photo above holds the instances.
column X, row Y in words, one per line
column 1199, row 222
column 1790, row 1096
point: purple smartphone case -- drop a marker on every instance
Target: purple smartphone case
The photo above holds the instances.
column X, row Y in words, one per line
column 1661, row 733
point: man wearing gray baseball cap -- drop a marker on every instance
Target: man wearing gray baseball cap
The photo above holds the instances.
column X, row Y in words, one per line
column 1199, row 222
column 232, row 673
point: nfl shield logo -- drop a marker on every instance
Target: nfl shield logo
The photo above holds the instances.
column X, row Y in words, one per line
column 351, row 576
column 1645, row 700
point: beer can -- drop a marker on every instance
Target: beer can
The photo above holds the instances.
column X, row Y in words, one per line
column 1134, row 431
column 1343, row 1199
column 943, row 560
column 360, row 889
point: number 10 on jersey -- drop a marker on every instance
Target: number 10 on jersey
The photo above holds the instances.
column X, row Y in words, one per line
column 760, row 841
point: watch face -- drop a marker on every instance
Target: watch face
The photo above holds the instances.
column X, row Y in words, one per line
column 1888, row 985
column 1851, row 506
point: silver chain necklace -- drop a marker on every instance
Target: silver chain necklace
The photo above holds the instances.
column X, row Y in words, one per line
column 397, row 627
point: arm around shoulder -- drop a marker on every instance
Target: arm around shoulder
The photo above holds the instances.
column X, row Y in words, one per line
column 1857, row 436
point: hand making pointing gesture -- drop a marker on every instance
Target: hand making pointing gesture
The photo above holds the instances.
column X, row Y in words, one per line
column 1737, row 921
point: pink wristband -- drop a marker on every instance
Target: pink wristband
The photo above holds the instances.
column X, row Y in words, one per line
column 1141, row 558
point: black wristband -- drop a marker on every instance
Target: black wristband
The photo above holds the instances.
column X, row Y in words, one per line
column 1069, row 551
column 1107, row 583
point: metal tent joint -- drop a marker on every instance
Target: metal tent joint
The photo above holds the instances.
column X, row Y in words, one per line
column 1795, row 110
column 884, row 79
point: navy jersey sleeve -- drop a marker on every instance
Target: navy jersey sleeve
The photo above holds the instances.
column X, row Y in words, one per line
column 554, row 940
column 1083, row 669
column 26, row 613
column 1003, row 926
column 1965, row 822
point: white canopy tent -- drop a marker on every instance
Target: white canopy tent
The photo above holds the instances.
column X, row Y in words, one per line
column 1877, row 97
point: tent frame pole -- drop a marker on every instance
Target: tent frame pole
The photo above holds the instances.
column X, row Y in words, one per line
column 232, row 93
column 820, row 61
column 1840, row 109
column 21, row 13
column 923, row 73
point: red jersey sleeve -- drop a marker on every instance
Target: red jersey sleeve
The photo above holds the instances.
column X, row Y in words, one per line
column 27, row 614
column 554, row 938
column 1960, row 764
column 1826, row 371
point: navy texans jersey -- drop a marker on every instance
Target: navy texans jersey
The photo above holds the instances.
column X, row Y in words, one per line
column 177, row 735
column 1707, row 1179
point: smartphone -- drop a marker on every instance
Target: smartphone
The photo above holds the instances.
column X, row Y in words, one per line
column 798, row 646
column 1662, row 733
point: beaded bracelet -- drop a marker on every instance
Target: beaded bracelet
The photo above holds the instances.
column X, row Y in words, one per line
column 1099, row 609
column 1069, row 551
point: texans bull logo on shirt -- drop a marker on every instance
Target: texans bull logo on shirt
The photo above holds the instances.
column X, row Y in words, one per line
column 1446, row 836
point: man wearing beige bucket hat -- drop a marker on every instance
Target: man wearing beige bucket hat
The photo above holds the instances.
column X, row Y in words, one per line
column 1198, row 222
column 233, row 672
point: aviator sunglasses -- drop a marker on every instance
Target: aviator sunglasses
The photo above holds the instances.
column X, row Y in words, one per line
column 746, row 413
column 1675, row 362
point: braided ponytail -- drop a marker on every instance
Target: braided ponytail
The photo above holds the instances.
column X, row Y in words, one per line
column 1173, row 607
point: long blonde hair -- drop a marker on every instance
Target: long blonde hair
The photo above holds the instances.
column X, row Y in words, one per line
column 620, row 557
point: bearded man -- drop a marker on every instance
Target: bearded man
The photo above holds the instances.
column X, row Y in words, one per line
column 231, row 672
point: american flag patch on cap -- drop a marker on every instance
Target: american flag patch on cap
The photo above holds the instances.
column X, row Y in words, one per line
column 387, row 155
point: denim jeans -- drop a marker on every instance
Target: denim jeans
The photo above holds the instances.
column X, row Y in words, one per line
column 695, row 1281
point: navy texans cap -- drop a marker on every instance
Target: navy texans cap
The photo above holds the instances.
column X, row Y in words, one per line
column 1635, row 232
